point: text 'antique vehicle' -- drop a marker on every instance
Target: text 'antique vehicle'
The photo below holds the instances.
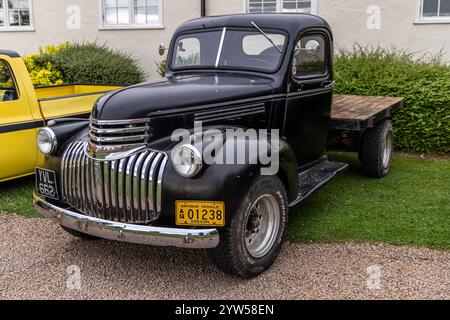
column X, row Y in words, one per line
column 216, row 154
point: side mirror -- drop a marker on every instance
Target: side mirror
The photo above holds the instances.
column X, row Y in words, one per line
column 162, row 49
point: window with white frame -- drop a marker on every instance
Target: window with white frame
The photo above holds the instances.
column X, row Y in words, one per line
column 434, row 10
column 267, row 6
column 15, row 14
column 132, row 13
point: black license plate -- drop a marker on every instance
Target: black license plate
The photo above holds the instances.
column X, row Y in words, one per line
column 46, row 183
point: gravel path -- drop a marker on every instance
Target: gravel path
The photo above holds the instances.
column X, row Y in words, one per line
column 35, row 255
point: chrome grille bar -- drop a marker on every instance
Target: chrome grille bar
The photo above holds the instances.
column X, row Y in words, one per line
column 119, row 132
column 126, row 190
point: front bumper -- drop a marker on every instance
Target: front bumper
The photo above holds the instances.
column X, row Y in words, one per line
column 156, row 236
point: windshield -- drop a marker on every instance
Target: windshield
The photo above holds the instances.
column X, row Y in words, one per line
column 229, row 49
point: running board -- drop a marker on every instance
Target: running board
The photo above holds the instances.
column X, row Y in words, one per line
column 315, row 177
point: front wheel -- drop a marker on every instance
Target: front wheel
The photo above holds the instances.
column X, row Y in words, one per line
column 377, row 148
column 252, row 242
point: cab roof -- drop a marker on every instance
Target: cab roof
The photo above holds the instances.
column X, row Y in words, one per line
column 293, row 23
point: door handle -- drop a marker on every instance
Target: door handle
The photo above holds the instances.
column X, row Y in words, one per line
column 328, row 84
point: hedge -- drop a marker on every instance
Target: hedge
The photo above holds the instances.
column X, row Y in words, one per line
column 88, row 62
column 424, row 124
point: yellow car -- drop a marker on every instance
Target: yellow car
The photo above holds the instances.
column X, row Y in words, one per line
column 24, row 109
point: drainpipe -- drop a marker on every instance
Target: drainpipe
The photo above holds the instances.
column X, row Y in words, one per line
column 203, row 8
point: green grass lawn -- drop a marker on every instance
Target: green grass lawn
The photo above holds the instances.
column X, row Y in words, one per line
column 411, row 206
column 16, row 197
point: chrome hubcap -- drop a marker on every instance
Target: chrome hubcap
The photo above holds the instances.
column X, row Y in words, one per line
column 388, row 148
column 263, row 223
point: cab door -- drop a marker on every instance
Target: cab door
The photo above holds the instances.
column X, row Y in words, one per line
column 310, row 94
column 18, row 151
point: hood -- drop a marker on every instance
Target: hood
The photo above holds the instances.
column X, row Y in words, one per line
column 179, row 92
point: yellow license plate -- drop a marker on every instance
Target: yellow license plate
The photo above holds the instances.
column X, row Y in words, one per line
column 200, row 213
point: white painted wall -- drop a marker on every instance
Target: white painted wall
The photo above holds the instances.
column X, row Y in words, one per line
column 348, row 19
column 50, row 24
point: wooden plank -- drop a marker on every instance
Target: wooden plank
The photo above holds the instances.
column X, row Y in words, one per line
column 348, row 107
column 360, row 112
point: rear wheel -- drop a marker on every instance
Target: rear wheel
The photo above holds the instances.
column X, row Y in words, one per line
column 250, row 245
column 79, row 235
column 377, row 149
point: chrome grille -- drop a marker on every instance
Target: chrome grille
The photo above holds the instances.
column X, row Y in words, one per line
column 126, row 190
column 119, row 132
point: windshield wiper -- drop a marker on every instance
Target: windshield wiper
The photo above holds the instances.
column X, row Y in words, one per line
column 266, row 36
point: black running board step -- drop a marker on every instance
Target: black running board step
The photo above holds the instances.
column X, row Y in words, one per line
column 312, row 179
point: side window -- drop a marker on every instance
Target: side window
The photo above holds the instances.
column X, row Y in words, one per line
column 8, row 91
column 188, row 52
column 310, row 57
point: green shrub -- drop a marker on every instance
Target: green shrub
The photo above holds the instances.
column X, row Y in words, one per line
column 161, row 67
column 87, row 62
column 424, row 124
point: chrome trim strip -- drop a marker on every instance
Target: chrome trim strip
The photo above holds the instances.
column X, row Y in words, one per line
column 136, row 187
column 129, row 188
column 156, row 236
column 151, row 185
column 117, row 131
column 113, row 181
column 219, row 53
column 144, row 183
column 107, row 189
column 143, row 137
column 159, row 185
column 120, row 122
column 121, row 190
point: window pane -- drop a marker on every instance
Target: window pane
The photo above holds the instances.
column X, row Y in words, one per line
column 188, row 52
column 262, row 6
column 309, row 58
column 297, row 6
column 445, row 8
column 24, row 4
column 153, row 14
column 140, row 15
column 110, row 3
column 123, row 16
column 122, row 3
column 430, row 8
column 257, row 44
column 14, row 18
column 13, row 4
column 140, row 3
column 2, row 19
column 24, row 17
column 111, row 16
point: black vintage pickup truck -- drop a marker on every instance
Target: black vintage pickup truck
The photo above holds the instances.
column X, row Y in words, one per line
column 216, row 154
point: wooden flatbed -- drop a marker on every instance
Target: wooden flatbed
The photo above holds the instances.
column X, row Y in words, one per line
column 357, row 113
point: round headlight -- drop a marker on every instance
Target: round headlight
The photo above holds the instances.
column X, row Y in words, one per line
column 187, row 160
column 46, row 141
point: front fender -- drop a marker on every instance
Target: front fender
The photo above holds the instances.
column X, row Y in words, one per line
column 229, row 183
